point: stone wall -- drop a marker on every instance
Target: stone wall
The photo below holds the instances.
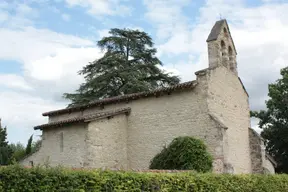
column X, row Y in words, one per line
column 260, row 162
column 152, row 124
column 107, row 143
column 212, row 111
column 155, row 122
column 257, row 156
column 268, row 166
column 227, row 98
column 228, row 101
column 61, row 146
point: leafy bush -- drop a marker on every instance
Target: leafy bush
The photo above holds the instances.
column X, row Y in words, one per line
column 19, row 179
column 183, row 153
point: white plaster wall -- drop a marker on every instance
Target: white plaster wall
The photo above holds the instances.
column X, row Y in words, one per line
column 228, row 101
column 107, row 143
column 74, row 147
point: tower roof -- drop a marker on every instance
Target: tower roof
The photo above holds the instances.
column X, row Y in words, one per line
column 216, row 30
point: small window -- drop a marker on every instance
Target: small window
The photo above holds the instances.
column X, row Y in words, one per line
column 230, row 51
column 223, row 47
column 61, row 141
column 225, row 31
column 222, row 44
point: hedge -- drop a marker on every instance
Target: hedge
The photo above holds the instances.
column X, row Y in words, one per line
column 184, row 153
column 19, row 179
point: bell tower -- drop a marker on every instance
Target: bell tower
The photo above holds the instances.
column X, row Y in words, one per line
column 221, row 48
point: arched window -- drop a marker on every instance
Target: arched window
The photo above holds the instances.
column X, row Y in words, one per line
column 230, row 52
column 223, row 47
column 231, row 62
column 222, row 44
column 225, row 32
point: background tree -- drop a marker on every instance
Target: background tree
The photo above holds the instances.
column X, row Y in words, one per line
column 29, row 145
column 129, row 65
column 274, row 121
column 5, row 150
column 18, row 151
column 183, row 153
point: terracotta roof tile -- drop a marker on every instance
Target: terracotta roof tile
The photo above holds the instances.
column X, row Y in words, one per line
column 128, row 97
column 83, row 119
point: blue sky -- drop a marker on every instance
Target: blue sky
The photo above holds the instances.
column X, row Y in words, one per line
column 45, row 42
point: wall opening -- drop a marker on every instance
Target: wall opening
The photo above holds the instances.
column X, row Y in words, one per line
column 61, row 141
column 31, row 163
column 223, row 47
column 225, row 32
column 230, row 52
column 231, row 62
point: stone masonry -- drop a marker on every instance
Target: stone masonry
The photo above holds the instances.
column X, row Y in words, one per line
column 128, row 131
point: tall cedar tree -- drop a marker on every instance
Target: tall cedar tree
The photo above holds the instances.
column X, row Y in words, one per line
column 129, row 65
column 5, row 151
column 274, row 121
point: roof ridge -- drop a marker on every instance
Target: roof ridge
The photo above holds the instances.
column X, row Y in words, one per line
column 85, row 118
column 120, row 98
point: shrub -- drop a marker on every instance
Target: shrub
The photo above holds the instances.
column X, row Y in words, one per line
column 183, row 153
column 19, row 179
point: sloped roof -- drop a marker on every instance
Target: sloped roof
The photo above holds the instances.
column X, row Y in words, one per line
column 122, row 98
column 216, row 30
column 83, row 119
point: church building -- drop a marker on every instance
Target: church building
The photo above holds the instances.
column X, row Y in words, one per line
column 127, row 131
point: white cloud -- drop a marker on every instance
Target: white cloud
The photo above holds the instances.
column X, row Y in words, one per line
column 167, row 16
column 260, row 36
column 23, row 9
column 65, row 17
column 50, row 62
column 103, row 7
column 3, row 16
column 3, row 4
column 103, row 33
column 17, row 44
column 16, row 14
column 21, row 112
column 14, row 81
column 66, row 61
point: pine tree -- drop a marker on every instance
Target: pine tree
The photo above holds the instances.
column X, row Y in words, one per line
column 5, row 151
column 129, row 65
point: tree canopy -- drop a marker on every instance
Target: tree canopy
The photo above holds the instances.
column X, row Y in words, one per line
column 19, row 151
column 129, row 65
column 274, row 121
